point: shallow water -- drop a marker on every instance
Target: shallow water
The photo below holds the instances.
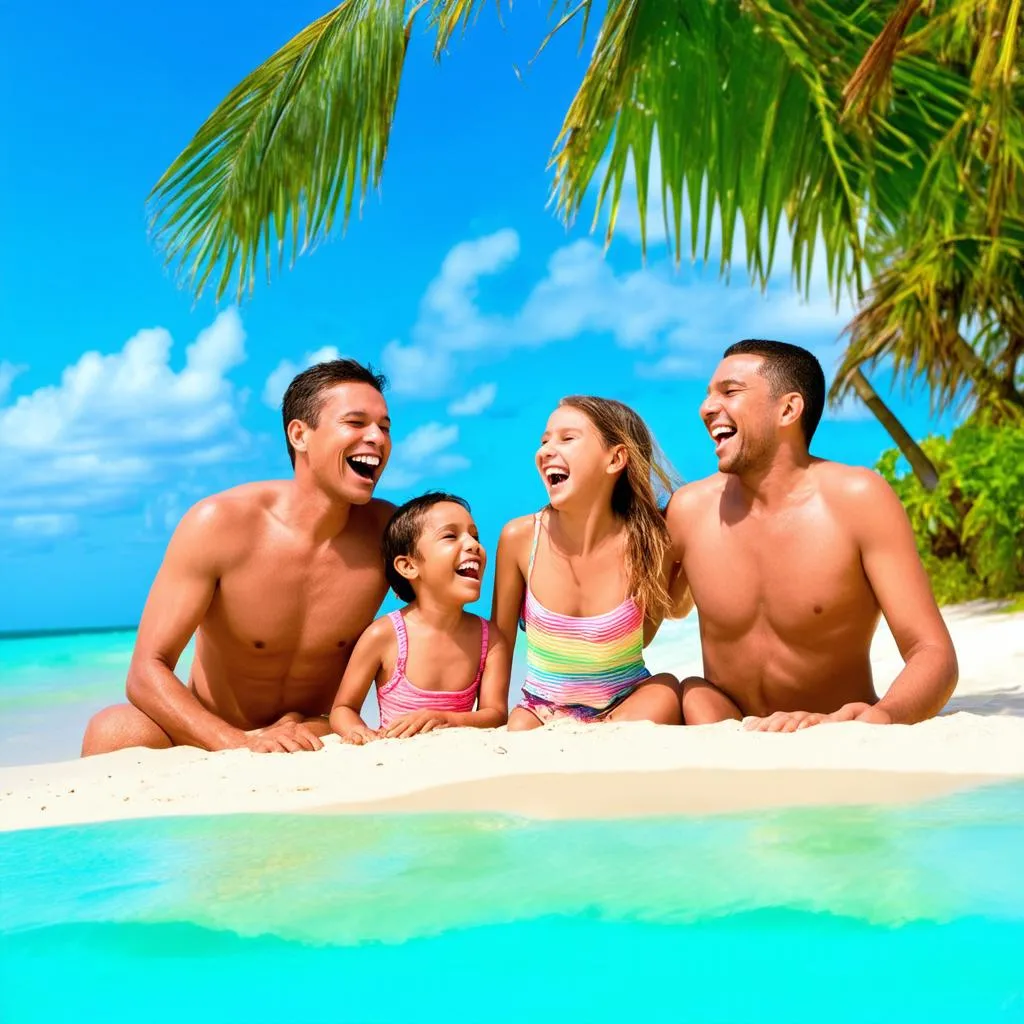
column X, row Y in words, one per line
column 812, row 914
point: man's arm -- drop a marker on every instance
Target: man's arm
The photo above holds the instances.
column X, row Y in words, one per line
column 897, row 577
column 177, row 602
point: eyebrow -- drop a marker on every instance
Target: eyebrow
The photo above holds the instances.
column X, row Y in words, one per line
column 728, row 382
column 454, row 527
column 362, row 412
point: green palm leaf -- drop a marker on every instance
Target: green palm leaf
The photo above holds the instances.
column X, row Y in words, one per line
column 298, row 137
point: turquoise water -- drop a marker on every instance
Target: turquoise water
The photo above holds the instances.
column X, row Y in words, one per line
column 51, row 685
column 830, row 914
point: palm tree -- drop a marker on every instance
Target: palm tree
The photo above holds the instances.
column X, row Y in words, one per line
column 745, row 97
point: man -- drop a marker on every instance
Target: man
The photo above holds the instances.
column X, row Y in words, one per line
column 277, row 580
column 791, row 558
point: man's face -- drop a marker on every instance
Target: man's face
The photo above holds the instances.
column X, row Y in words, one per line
column 741, row 415
column 350, row 445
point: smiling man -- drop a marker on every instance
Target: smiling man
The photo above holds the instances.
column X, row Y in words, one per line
column 791, row 560
column 276, row 580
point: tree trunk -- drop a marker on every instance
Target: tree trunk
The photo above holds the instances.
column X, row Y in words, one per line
column 912, row 452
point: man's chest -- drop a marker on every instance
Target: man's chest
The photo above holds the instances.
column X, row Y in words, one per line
column 787, row 574
column 296, row 604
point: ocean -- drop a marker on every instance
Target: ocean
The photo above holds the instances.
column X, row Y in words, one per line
column 832, row 913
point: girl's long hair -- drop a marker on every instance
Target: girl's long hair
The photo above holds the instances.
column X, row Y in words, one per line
column 635, row 497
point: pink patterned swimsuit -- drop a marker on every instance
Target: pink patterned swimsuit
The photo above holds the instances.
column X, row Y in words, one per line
column 399, row 697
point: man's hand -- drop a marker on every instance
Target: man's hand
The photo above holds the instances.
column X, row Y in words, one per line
column 359, row 735
column 784, row 721
column 861, row 712
column 414, row 723
column 794, row 721
column 284, row 736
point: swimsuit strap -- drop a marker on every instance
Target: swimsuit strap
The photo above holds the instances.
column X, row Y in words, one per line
column 403, row 644
column 484, row 633
column 533, row 548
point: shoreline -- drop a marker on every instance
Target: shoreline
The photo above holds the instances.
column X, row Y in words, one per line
column 569, row 770
column 698, row 792
column 566, row 770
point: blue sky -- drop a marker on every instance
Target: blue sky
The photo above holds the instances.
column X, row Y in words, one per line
column 122, row 401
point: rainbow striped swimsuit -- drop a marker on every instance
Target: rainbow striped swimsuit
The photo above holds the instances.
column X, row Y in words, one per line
column 580, row 666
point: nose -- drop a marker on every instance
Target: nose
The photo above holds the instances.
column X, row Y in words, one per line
column 373, row 434
column 709, row 406
column 473, row 545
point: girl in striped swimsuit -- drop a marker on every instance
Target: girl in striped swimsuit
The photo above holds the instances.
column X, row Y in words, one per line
column 434, row 560
column 587, row 578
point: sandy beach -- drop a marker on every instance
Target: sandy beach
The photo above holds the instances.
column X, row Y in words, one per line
column 568, row 770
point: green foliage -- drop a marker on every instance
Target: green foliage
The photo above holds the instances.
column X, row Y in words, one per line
column 970, row 529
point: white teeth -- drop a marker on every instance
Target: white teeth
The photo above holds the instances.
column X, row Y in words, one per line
column 470, row 565
column 370, row 460
column 552, row 473
column 719, row 432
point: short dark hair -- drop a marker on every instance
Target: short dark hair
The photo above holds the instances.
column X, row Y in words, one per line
column 402, row 534
column 789, row 368
column 304, row 398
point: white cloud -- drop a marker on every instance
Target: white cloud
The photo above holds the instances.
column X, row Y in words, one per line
column 285, row 371
column 44, row 525
column 425, row 451
column 120, row 421
column 417, row 370
column 474, row 402
column 8, row 371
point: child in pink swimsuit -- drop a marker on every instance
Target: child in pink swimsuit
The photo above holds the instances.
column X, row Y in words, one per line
column 434, row 560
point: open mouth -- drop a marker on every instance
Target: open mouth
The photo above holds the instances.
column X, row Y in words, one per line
column 469, row 570
column 721, row 433
column 555, row 477
column 365, row 466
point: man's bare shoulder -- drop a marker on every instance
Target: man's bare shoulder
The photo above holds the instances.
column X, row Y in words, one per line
column 850, row 485
column 693, row 497
column 246, row 504
column 229, row 520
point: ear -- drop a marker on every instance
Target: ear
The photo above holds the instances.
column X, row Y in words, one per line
column 296, row 432
column 618, row 461
column 406, row 567
column 792, row 409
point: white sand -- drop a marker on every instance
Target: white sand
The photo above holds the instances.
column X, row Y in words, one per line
column 568, row 770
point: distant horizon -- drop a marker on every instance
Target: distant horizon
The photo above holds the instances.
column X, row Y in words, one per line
column 38, row 634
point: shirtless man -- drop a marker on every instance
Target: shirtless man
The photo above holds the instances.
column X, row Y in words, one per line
column 790, row 560
column 277, row 580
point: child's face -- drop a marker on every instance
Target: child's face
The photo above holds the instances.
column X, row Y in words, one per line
column 572, row 459
column 449, row 561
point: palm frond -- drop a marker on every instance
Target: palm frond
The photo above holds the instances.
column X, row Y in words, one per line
column 919, row 307
column 745, row 103
column 299, row 136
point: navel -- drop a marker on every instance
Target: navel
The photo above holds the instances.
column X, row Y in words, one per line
column 342, row 643
column 258, row 644
column 817, row 609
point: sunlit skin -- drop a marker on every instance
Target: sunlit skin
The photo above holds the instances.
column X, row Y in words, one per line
column 581, row 557
column 277, row 580
column 791, row 560
column 444, row 639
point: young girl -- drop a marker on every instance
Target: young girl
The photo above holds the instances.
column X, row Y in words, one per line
column 434, row 561
column 587, row 576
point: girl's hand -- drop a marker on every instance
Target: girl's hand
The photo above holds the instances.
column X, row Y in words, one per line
column 415, row 722
column 358, row 735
